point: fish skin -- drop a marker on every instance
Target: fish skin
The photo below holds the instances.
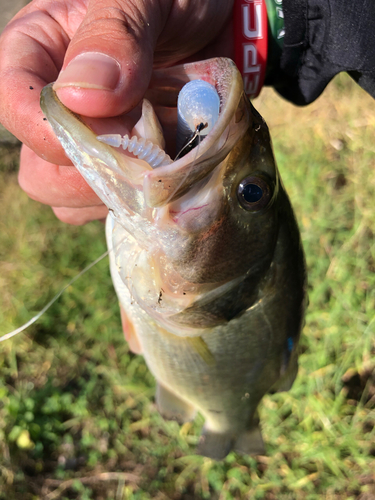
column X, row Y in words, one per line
column 215, row 293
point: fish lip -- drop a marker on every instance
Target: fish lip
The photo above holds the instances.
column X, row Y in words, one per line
column 58, row 116
column 163, row 185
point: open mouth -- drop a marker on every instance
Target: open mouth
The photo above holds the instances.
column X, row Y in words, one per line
column 198, row 108
column 198, row 105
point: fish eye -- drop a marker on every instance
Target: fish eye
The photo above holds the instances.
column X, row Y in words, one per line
column 254, row 193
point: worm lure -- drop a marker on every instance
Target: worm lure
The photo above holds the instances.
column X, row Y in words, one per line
column 142, row 148
column 197, row 109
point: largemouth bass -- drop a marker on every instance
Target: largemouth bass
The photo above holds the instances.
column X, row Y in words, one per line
column 205, row 253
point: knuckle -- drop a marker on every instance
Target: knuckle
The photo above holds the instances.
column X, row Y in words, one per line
column 119, row 20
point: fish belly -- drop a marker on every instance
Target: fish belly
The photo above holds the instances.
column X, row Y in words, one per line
column 244, row 364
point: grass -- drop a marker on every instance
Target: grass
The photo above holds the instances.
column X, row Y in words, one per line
column 77, row 418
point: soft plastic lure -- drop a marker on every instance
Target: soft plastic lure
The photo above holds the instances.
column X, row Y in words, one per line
column 198, row 108
column 142, row 148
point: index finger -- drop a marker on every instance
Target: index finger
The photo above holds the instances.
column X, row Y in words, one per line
column 32, row 49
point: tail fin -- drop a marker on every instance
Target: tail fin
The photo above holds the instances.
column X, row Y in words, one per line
column 215, row 445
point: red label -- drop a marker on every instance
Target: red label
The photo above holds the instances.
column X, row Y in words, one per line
column 250, row 43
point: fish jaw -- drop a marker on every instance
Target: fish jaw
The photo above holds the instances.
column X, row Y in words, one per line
column 116, row 179
column 129, row 186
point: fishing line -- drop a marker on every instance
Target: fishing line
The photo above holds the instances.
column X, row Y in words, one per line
column 193, row 141
column 197, row 134
column 53, row 300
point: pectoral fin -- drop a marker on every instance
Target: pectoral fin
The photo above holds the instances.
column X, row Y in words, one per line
column 288, row 374
column 130, row 333
column 201, row 348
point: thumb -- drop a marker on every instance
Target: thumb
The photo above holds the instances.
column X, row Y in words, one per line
column 109, row 60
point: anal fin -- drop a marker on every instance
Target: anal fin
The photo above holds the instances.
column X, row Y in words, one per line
column 172, row 407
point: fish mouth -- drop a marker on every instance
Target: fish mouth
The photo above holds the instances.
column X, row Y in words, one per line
column 106, row 168
column 174, row 218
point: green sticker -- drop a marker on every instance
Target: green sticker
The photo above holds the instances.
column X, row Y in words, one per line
column 275, row 15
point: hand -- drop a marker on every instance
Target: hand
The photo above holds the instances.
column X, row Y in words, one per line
column 101, row 52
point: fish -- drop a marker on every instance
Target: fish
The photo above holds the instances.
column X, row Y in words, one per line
column 205, row 251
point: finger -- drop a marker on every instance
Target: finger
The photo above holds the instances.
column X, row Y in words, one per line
column 109, row 60
column 80, row 216
column 58, row 186
column 32, row 48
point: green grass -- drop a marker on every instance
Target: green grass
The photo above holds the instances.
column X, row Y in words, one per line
column 77, row 418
